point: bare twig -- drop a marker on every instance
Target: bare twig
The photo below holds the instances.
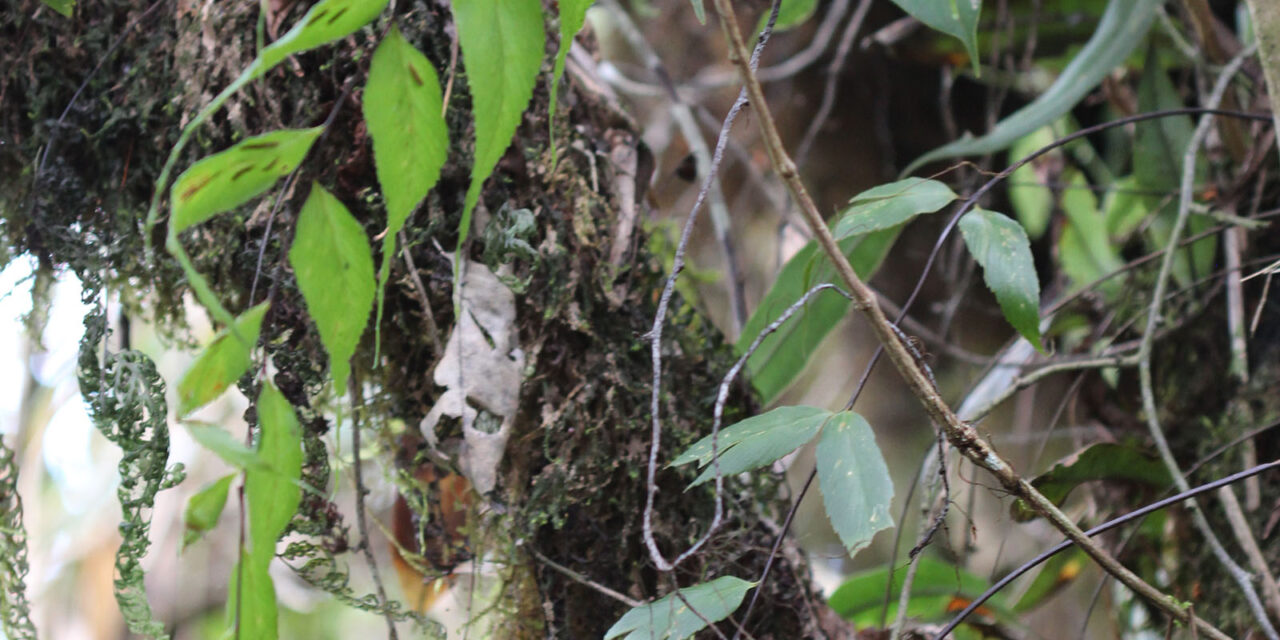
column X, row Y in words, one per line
column 421, row 290
column 962, row 435
column 357, row 478
column 583, row 580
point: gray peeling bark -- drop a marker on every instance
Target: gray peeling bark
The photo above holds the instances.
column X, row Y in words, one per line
column 569, row 493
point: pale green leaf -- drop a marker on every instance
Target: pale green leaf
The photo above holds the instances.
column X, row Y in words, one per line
column 331, row 259
column 325, row 22
column 226, row 446
column 791, row 14
column 226, row 180
column 258, row 612
column 273, row 496
column 502, row 45
column 755, row 442
column 573, row 14
column 1084, row 249
column 1029, row 192
column 784, row 353
column 402, row 109
column 937, row 585
column 1001, row 246
column 221, row 363
column 699, row 11
column 890, row 205
column 61, row 6
column 856, row 487
column 958, row 18
column 671, row 617
column 204, row 508
column 1122, row 27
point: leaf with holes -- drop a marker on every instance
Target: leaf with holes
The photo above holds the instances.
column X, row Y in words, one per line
column 681, row 617
column 226, row 180
column 502, row 45
column 958, row 18
column 325, row 22
column 890, row 205
column 204, row 508
column 855, row 483
column 1001, row 246
column 331, row 259
column 756, row 441
column 221, row 363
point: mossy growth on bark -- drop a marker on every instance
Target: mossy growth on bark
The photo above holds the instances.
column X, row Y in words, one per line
column 74, row 189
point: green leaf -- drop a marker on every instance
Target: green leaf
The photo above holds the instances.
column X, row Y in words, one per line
column 273, row 496
column 1101, row 461
column 957, row 18
column 331, row 259
column 890, row 205
column 225, row 446
column 221, row 363
column 325, row 22
column 700, row 11
column 936, row 587
column 1124, row 207
column 756, row 441
column 855, row 483
column 1029, row 192
column 1122, row 27
column 402, row 108
column 1001, row 246
column 573, row 14
column 226, row 180
column 1084, row 249
column 784, row 353
column 670, row 617
column 1056, row 574
column 204, row 508
column 258, row 613
column 791, row 14
column 61, row 6
column 502, row 44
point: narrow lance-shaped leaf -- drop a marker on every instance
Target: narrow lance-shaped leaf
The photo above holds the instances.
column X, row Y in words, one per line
column 755, row 442
column 1123, row 26
column 957, row 18
column 226, row 180
column 502, row 45
column 332, row 262
column 1001, row 247
column 890, row 205
column 671, row 617
column 221, row 363
column 325, row 22
column 855, row 483
column 573, row 14
column 204, row 508
column 225, row 446
column 61, row 6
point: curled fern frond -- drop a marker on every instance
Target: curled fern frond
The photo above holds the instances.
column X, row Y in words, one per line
column 15, row 612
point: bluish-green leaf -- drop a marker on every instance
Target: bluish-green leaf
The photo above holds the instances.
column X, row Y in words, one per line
column 61, row 6
column 856, row 487
column 958, row 18
column 226, row 446
column 331, row 259
column 226, row 180
column 936, row 587
column 325, row 22
column 204, row 508
column 755, row 442
column 502, row 45
column 890, row 205
column 1122, row 27
column 784, row 353
column 1001, row 247
column 670, row 617
column 573, row 14
column 221, row 363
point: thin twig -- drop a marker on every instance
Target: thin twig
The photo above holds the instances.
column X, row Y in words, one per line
column 962, row 435
column 1149, row 409
column 361, row 519
column 585, row 581
column 433, row 331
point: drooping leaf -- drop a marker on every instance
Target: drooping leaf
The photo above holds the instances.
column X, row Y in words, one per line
column 1084, row 249
column 573, row 14
column 1124, row 207
column 221, row 363
column 1122, row 27
column 226, row 180
column 670, row 617
column 957, row 18
column 226, row 446
column 1029, row 191
column 204, row 508
column 331, row 259
column 755, row 442
column 502, row 45
column 254, row 608
column 325, row 22
column 890, row 205
column 791, row 14
column 856, row 487
column 936, row 587
column 1100, row 461
column 1057, row 573
column 61, row 6
column 1001, row 247
column 784, row 353
column 273, row 496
